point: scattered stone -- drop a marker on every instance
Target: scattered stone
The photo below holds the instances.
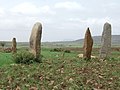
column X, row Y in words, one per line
column 35, row 40
column 71, row 80
column 105, row 42
column 88, row 43
column 7, row 50
column 33, row 88
column 14, row 44
column 51, row 83
column 17, row 88
column 81, row 56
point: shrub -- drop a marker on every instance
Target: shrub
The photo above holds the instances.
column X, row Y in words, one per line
column 24, row 57
column 57, row 50
column 67, row 51
column 2, row 44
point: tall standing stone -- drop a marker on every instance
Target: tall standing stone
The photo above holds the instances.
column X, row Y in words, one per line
column 88, row 43
column 14, row 44
column 105, row 42
column 35, row 40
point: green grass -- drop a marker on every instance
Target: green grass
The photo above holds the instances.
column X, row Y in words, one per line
column 53, row 55
column 5, row 59
column 61, row 71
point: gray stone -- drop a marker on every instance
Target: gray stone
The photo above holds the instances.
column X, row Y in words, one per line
column 105, row 42
column 88, row 43
column 14, row 44
column 35, row 40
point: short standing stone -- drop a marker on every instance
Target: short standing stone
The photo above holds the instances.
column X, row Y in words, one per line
column 88, row 43
column 14, row 44
column 35, row 40
column 105, row 42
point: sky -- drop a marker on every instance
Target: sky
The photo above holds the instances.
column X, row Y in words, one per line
column 61, row 19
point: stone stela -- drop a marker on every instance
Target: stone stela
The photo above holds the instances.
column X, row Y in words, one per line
column 35, row 40
column 105, row 42
column 88, row 43
column 14, row 44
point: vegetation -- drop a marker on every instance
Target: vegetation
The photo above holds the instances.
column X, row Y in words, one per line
column 5, row 59
column 24, row 57
column 2, row 44
column 60, row 70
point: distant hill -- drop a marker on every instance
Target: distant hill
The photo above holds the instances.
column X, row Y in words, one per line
column 75, row 43
column 79, row 42
column 97, row 40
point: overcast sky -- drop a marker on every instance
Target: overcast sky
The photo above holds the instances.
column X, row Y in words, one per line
column 61, row 19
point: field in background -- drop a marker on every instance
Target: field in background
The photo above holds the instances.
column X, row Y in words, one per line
column 72, row 46
column 75, row 43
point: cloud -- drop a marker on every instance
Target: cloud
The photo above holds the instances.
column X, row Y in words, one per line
column 111, row 5
column 22, row 16
column 2, row 12
column 29, row 8
column 91, row 21
column 25, row 8
column 69, row 5
column 46, row 9
column 95, row 24
column 68, row 18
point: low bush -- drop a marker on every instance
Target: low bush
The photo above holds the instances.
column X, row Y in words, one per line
column 57, row 50
column 67, row 51
column 24, row 57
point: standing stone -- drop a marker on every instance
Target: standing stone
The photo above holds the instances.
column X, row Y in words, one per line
column 105, row 42
column 88, row 43
column 35, row 40
column 14, row 44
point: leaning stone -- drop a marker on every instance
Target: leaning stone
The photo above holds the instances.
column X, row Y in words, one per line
column 88, row 43
column 35, row 40
column 105, row 42
column 14, row 44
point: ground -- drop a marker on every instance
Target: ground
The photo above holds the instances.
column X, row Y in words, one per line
column 61, row 71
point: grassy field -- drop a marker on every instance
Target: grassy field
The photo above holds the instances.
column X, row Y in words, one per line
column 5, row 59
column 61, row 71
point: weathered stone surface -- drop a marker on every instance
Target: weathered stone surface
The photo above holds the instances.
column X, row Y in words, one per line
column 35, row 40
column 14, row 44
column 88, row 43
column 105, row 41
